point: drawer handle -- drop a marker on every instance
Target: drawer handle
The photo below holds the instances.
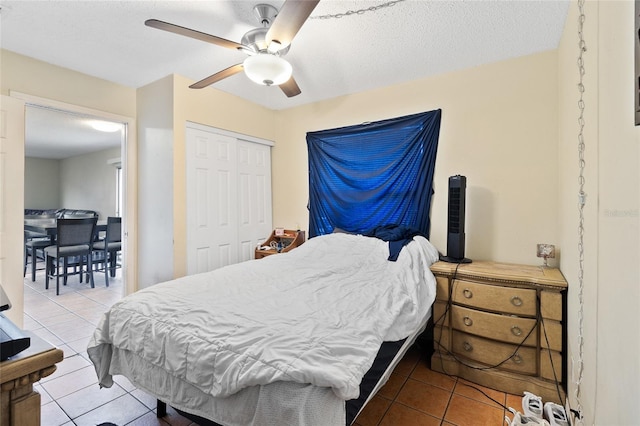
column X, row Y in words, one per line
column 467, row 293
column 516, row 331
column 467, row 321
column 467, row 346
column 516, row 301
column 517, row 359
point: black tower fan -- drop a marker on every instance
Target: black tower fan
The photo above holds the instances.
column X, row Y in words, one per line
column 455, row 221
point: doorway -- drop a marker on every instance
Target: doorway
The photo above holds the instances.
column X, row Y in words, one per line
column 119, row 160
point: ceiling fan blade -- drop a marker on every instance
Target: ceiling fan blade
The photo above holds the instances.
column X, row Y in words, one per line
column 227, row 72
column 290, row 88
column 292, row 15
column 188, row 32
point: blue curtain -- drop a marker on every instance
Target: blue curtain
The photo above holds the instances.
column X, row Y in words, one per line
column 374, row 174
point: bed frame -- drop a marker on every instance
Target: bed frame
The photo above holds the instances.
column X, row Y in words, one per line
column 388, row 357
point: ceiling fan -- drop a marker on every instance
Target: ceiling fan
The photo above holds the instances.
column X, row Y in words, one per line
column 265, row 45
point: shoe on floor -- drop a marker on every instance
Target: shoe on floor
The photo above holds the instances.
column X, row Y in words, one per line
column 532, row 405
column 555, row 414
column 520, row 419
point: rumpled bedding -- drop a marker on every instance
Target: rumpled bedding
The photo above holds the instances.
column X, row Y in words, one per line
column 316, row 315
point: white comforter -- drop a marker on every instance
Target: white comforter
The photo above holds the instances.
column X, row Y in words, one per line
column 317, row 315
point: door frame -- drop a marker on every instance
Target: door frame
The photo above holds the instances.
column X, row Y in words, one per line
column 11, row 204
column 129, row 150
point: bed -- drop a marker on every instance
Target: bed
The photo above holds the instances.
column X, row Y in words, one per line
column 288, row 337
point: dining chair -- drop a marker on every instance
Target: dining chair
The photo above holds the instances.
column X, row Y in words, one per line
column 109, row 248
column 34, row 242
column 74, row 241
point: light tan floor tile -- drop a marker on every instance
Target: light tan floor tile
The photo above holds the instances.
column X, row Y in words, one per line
column 87, row 399
column 71, row 382
column 124, row 383
column 45, row 334
column 44, row 396
column 148, row 400
column 29, row 323
column 68, row 365
column 120, row 411
column 52, row 415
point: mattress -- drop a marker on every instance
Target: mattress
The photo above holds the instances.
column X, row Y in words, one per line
column 274, row 334
column 388, row 357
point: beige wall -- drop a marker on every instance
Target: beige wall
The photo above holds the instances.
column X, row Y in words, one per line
column 33, row 77
column 155, row 177
column 610, row 387
column 88, row 182
column 41, row 183
column 88, row 95
column 499, row 129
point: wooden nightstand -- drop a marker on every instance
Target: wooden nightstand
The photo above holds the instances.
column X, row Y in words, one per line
column 502, row 326
column 289, row 240
column 19, row 403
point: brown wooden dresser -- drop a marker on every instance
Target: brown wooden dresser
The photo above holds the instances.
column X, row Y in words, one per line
column 19, row 402
column 502, row 326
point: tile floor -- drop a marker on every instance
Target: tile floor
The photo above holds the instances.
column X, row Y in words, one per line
column 414, row 395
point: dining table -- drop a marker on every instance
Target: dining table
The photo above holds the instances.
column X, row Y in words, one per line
column 49, row 226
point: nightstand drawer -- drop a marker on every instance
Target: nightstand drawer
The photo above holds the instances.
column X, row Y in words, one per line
column 505, row 328
column 493, row 353
column 519, row 301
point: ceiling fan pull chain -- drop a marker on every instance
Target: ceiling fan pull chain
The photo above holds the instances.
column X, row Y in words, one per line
column 357, row 12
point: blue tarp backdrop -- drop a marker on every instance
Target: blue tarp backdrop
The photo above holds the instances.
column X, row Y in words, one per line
column 373, row 174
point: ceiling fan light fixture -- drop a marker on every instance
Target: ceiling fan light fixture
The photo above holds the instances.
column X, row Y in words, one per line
column 267, row 69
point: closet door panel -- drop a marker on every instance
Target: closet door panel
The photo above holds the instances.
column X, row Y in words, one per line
column 254, row 192
column 211, row 201
column 228, row 198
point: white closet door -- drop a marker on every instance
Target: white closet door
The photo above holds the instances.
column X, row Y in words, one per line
column 254, row 196
column 212, row 227
column 228, row 198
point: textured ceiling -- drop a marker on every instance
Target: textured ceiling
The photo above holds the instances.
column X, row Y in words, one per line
column 58, row 134
column 408, row 40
